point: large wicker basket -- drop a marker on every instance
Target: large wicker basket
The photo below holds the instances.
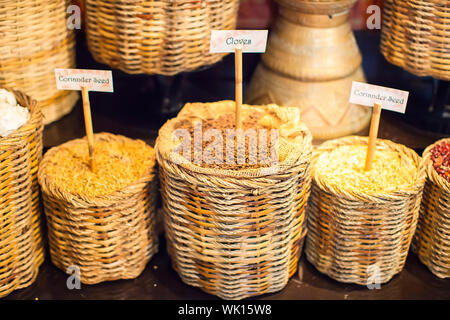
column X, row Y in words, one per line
column 356, row 237
column 21, row 248
column 35, row 40
column 107, row 237
column 235, row 233
column 156, row 37
column 432, row 239
column 416, row 36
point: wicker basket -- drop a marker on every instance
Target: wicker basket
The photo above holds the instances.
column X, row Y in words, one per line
column 432, row 239
column 35, row 40
column 107, row 237
column 416, row 36
column 156, row 37
column 21, row 248
column 235, row 233
column 355, row 237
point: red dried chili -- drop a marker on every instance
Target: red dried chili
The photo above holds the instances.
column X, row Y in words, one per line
column 440, row 155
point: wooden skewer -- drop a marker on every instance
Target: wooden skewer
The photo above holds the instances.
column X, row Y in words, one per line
column 88, row 126
column 374, row 124
column 238, row 70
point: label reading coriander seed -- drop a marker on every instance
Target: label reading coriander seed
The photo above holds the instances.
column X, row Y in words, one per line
column 368, row 94
column 93, row 80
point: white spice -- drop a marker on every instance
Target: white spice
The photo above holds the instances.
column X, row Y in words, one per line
column 7, row 97
column 12, row 115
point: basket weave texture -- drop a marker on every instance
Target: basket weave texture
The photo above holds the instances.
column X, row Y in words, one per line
column 235, row 233
column 432, row 239
column 21, row 248
column 35, row 40
column 361, row 238
column 416, row 36
column 156, row 37
column 318, row 6
column 107, row 237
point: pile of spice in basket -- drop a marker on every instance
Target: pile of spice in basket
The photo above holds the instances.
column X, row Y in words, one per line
column 102, row 220
column 234, row 213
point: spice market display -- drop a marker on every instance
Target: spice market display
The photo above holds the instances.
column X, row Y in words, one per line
column 160, row 184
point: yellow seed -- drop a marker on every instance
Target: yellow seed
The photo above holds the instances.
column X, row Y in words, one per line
column 343, row 167
column 118, row 164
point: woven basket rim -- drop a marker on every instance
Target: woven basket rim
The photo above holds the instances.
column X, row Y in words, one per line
column 301, row 148
column 432, row 174
column 358, row 195
column 36, row 118
column 50, row 188
column 319, row 6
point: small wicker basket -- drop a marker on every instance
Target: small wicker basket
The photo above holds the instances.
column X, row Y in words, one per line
column 235, row 233
column 416, row 36
column 432, row 239
column 356, row 237
column 107, row 237
column 156, row 37
column 21, row 245
column 35, row 40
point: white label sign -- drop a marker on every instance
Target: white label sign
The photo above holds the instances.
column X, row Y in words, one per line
column 93, row 80
column 389, row 99
column 228, row 40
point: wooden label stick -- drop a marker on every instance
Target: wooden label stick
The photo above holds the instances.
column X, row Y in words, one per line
column 85, row 80
column 371, row 95
column 374, row 124
column 238, row 73
column 238, row 41
column 88, row 126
